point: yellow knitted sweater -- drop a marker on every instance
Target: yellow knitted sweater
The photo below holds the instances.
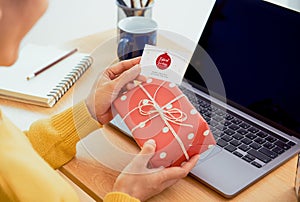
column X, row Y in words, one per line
column 25, row 174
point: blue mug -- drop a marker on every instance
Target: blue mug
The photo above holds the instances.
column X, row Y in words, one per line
column 135, row 32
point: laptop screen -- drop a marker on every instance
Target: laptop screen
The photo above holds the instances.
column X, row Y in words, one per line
column 255, row 46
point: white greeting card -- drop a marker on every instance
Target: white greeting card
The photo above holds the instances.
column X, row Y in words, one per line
column 163, row 64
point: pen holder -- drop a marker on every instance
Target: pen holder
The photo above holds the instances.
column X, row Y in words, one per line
column 134, row 8
column 134, row 33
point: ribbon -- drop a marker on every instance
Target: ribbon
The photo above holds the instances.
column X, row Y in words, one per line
column 166, row 114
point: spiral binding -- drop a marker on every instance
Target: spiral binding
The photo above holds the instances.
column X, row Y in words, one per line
column 68, row 81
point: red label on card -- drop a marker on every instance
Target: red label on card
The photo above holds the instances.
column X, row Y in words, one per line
column 163, row 61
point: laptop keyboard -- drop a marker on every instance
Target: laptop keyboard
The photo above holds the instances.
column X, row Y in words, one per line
column 239, row 136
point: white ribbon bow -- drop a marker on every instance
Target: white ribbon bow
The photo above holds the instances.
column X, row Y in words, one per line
column 166, row 114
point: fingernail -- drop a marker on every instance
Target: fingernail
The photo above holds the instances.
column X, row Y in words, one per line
column 137, row 66
column 182, row 164
column 151, row 141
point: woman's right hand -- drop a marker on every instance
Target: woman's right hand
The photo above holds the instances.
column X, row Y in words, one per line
column 109, row 85
column 142, row 183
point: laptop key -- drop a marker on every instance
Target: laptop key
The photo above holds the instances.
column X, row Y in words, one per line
column 229, row 132
column 238, row 136
column 221, row 127
column 204, row 104
column 212, row 129
column 291, row 143
column 227, row 123
column 242, row 131
column 203, row 111
column 271, row 139
column 197, row 97
column 268, row 153
column 256, row 164
column 213, row 108
column 280, row 138
column 250, row 157
column 262, row 134
column 209, row 108
column 259, row 140
column 244, row 147
column 246, row 141
column 244, row 125
column 235, row 143
column 217, row 133
column 230, row 148
column 236, row 121
column 251, row 136
column 233, row 127
column 213, row 123
column 237, row 154
column 254, row 145
column 228, row 117
column 268, row 145
column 218, row 118
column 220, row 112
column 278, row 150
column 222, row 143
column 253, row 130
column 246, row 159
column 282, row 145
column 259, row 156
column 227, row 138
column 222, row 134
column 207, row 119
column 207, row 113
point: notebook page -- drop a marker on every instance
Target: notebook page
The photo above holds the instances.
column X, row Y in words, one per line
column 31, row 59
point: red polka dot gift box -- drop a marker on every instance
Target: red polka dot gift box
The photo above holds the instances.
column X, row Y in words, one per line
column 159, row 110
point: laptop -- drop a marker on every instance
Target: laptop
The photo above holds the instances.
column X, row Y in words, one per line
column 256, row 120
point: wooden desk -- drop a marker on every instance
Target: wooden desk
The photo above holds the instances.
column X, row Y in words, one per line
column 97, row 179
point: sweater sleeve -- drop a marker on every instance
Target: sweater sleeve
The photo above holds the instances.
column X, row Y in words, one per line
column 55, row 138
column 24, row 175
column 119, row 197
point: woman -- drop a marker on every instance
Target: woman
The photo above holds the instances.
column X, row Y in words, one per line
column 28, row 159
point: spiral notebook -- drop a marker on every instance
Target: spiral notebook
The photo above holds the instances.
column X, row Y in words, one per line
column 48, row 87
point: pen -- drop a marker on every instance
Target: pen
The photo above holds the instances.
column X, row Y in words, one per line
column 121, row 2
column 127, row 12
column 50, row 65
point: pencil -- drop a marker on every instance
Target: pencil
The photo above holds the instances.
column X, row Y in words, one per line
column 132, row 3
column 148, row 2
column 51, row 64
column 142, row 12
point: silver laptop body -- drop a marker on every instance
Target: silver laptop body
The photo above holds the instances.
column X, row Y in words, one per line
column 229, row 167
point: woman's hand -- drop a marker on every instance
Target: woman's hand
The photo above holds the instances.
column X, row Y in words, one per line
column 142, row 183
column 107, row 88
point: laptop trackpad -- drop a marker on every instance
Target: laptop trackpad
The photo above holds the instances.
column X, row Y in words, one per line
column 225, row 172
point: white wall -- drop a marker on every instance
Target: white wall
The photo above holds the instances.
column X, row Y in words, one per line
column 69, row 19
